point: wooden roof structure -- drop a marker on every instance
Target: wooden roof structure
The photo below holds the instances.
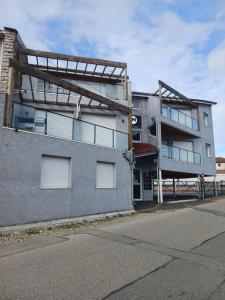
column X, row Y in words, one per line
column 166, row 92
column 58, row 70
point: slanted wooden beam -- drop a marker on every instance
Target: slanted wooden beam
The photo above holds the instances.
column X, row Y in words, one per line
column 26, row 69
column 52, row 55
column 176, row 93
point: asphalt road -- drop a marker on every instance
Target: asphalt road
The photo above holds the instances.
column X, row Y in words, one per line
column 166, row 255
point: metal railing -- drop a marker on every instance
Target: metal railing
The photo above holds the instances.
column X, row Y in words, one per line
column 179, row 117
column 52, row 124
column 180, row 154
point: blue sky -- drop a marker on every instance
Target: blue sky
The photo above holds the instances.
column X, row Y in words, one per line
column 181, row 42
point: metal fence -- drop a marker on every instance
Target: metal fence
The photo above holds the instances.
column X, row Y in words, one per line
column 180, row 189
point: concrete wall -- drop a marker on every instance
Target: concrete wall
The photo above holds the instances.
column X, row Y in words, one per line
column 22, row 200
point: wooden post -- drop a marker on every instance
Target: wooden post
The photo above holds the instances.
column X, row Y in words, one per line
column 11, row 82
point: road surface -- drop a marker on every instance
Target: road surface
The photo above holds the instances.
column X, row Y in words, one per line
column 178, row 254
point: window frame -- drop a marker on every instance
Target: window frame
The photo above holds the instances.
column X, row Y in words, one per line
column 206, row 119
column 208, row 150
column 137, row 101
column 140, row 134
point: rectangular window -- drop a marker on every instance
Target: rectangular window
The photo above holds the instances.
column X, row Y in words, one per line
column 55, row 172
column 206, row 119
column 136, row 136
column 136, row 104
column 208, row 150
column 105, row 175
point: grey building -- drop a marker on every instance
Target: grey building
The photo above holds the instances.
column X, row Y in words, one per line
column 65, row 135
column 172, row 137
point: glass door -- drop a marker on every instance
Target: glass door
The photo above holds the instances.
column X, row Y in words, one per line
column 137, row 184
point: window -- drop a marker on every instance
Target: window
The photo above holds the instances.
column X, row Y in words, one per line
column 105, row 175
column 55, row 172
column 208, row 150
column 206, row 119
column 48, row 87
column 136, row 104
column 219, row 165
column 136, row 136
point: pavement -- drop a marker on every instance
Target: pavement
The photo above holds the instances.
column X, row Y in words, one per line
column 168, row 254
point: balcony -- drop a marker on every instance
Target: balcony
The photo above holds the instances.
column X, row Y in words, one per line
column 47, row 123
column 179, row 117
column 180, row 154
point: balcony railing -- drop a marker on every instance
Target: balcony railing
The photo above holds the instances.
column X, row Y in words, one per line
column 52, row 124
column 179, row 117
column 180, row 154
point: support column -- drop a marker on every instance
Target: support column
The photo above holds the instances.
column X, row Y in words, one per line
column 159, row 143
column 11, row 82
column 174, row 189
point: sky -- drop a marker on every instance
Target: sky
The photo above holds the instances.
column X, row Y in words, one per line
column 181, row 42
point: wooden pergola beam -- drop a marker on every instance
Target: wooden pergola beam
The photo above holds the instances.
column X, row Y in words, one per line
column 81, row 59
column 176, row 93
column 26, row 69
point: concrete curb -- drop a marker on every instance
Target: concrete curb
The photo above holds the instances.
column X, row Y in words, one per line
column 22, row 227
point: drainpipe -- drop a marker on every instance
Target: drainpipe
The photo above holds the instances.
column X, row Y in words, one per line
column 129, row 156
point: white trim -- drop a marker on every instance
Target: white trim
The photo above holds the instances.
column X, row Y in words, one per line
column 89, row 218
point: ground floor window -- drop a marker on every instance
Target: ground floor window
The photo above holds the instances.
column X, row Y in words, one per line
column 105, row 175
column 55, row 172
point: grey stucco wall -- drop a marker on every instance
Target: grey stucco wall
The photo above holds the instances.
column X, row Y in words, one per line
column 151, row 108
column 23, row 201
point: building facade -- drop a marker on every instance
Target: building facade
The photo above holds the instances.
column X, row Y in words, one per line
column 173, row 139
column 65, row 135
column 76, row 141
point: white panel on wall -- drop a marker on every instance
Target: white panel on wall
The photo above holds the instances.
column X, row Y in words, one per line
column 102, row 120
column 105, row 175
column 183, row 145
column 55, row 172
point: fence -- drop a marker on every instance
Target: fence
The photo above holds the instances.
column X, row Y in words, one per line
column 44, row 122
column 180, row 189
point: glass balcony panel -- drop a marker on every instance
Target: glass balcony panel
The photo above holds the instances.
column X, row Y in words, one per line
column 197, row 158
column 191, row 157
column 179, row 117
column 120, row 140
column 39, row 121
column 175, row 153
column 183, row 155
column 180, row 154
column 189, row 122
column 104, row 136
column 59, row 126
column 84, row 132
column 165, row 151
column 182, row 118
column 174, row 115
column 23, row 117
